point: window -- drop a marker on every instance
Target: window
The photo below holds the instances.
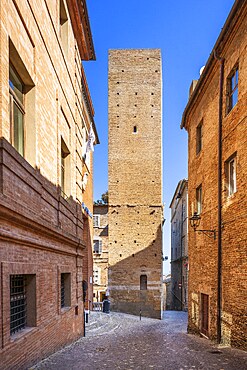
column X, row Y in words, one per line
column 143, row 282
column 232, row 89
column 96, row 220
column 22, row 302
column 97, row 246
column 199, row 199
column 63, row 27
column 65, row 290
column 199, row 138
column 18, row 305
column 22, row 103
column 204, row 313
column 97, row 275
column 17, row 111
column 65, row 170
column 231, row 175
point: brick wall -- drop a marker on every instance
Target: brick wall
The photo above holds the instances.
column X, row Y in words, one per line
column 44, row 233
column 135, row 180
column 203, row 168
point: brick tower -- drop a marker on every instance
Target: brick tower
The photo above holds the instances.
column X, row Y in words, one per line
column 135, row 181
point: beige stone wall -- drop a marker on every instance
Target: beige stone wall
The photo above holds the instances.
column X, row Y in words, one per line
column 135, row 180
column 203, row 169
column 100, row 261
column 179, row 247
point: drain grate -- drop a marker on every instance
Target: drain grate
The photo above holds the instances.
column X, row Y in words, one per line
column 215, row 352
column 101, row 349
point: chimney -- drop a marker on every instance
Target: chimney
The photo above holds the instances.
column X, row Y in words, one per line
column 192, row 87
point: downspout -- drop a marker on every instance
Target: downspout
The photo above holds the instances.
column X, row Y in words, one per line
column 219, row 270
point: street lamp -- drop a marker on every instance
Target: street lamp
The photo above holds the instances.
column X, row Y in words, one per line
column 195, row 223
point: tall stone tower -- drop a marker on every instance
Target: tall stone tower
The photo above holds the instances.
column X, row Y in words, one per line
column 135, row 181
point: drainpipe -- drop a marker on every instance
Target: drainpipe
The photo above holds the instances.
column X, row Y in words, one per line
column 219, row 277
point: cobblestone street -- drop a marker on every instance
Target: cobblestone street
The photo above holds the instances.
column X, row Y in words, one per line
column 120, row 341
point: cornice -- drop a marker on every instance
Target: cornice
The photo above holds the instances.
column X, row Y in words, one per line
column 39, row 228
column 238, row 11
column 81, row 27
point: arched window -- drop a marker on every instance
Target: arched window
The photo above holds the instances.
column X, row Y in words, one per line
column 143, row 282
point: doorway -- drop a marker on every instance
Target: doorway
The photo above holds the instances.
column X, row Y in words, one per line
column 204, row 313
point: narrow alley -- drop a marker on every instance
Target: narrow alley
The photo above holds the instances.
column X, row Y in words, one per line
column 121, row 341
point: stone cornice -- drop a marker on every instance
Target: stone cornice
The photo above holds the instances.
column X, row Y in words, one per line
column 81, row 27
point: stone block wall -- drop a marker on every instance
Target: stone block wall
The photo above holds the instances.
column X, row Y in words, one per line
column 135, row 180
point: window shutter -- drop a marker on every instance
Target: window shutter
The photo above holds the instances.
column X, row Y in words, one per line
column 100, row 246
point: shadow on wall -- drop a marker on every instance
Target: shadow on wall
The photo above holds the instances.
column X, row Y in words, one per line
column 38, row 203
column 128, row 291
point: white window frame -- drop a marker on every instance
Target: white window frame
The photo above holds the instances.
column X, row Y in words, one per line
column 231, row 176
column 232, row 88
column 98, row 249
column 96, row 220
column 199, row 199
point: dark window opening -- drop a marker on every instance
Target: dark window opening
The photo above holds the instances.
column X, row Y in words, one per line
column 204, row 313
column 199, row 138
column 22, row 302
column 65, row 290
column 18, row 303
column 232, row 89
column 63, row 18
column 135, row 129
column 143, row 282
column 97, row 246
column 65, row 178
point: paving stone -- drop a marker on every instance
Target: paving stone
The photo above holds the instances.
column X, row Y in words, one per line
column 124, row 342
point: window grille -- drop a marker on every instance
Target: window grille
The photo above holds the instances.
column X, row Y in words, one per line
column 18, row 303
column 62, row 290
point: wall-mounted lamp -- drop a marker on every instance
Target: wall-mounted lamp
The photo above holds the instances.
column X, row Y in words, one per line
column 195, row 223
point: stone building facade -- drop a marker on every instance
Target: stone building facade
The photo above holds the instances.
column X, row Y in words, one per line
column 135, row 181
column 46, row 180
column 215, row 118
column 100, row 252
column 179, row 247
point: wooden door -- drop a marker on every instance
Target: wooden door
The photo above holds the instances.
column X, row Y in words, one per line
column 204, row 313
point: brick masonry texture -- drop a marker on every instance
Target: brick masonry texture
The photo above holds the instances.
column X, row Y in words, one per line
column 135, row 180
column 203, row 170
column 42, row 233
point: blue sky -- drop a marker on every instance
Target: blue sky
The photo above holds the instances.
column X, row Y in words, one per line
column 186, row 32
